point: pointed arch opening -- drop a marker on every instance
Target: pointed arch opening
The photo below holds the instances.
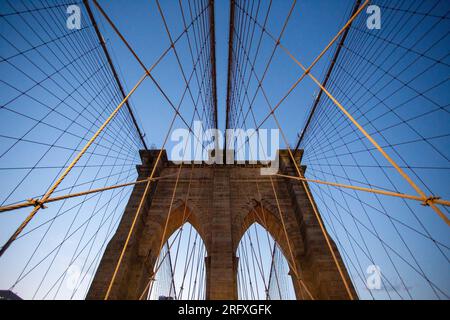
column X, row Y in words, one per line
column 263, row 270
column 179, row 271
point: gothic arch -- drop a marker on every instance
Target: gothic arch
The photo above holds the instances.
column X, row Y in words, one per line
column 267, row 216
column 181, row 214
column 263, row 216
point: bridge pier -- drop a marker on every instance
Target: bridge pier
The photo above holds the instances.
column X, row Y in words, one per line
column 223, row 203
column 221, row 266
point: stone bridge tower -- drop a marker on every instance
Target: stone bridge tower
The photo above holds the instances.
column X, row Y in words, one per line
column 222, row 204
